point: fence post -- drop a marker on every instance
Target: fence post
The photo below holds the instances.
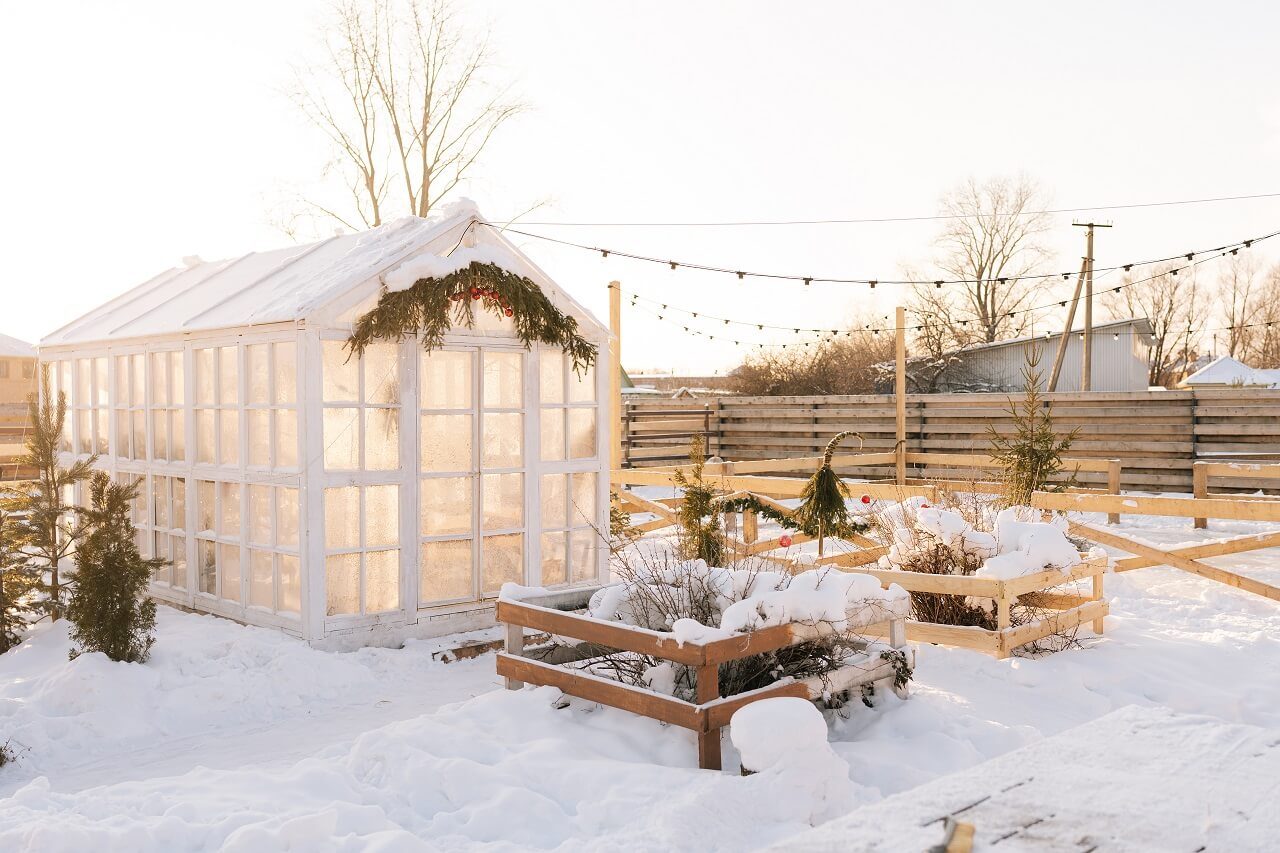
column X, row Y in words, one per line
column 1097, row 596
column 707, row 688
column 1002, row 621
column 1199, row 489
column 626, row 434
column 514, row 646
column 750, row 526
column 1113, row 486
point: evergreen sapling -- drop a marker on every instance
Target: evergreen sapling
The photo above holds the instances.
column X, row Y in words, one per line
column 109, row 610
column 1032, row 456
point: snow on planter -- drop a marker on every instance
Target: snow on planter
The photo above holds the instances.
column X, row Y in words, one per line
column 742, row 599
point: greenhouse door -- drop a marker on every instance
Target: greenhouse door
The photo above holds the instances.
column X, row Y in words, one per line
column 471, row 481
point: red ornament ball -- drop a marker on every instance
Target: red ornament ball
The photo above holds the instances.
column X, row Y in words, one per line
column 784, row 541
column 475, row 293
column 924, row 506
column 508, row 312
column 866, row 499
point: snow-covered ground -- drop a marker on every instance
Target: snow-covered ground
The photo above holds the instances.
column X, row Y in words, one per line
column 239, row 738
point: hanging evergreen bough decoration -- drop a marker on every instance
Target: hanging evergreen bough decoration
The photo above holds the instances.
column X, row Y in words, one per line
column 433, row 306
column 822, row 512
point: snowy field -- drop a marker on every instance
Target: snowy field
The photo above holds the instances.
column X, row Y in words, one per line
column 238, row 738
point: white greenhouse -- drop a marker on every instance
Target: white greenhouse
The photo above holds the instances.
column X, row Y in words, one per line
column 348, row 502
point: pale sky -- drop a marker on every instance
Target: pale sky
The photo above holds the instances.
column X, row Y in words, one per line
column 139, row 132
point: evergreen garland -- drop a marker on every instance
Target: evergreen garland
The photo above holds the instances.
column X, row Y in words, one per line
column 432, row 306
column 109, row 610
column 823, row 511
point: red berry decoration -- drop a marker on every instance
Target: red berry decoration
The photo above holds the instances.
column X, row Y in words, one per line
column 924, row 506
column 475, row 293
column 866, row 499
column 784, row 541
column 508, row 312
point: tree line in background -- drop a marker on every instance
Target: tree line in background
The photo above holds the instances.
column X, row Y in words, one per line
column 103, row 596
column 994, row 239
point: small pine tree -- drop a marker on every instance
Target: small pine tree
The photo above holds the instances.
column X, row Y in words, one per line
column 700, row 536
column 109, row 610
column 19, row 585
column 1032, row 456
column 49, row 527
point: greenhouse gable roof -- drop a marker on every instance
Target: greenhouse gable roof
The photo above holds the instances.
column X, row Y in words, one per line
column 285, row 285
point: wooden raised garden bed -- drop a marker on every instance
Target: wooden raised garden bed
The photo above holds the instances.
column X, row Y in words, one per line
column 1070, row 609
column 711, row 712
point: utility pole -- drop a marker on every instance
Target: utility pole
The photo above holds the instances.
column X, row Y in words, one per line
column 1086, row 362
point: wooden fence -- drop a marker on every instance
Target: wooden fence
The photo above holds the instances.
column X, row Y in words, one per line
column 1157, row 435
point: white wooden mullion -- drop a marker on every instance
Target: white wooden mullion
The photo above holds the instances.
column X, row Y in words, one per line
column 310, row 395
column 409, row 480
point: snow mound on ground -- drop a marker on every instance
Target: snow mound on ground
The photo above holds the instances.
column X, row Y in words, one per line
column 204, row 673
column 504, row 769
column 747, row 599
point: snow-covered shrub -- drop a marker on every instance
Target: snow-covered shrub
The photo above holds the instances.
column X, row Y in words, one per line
column 697, row 602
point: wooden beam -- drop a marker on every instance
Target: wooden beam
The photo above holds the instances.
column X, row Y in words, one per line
column 900, row 395
column 594, row 688
column 1174, row 507
column 1253, row 542
column 751, row 643
column 719, row 712
column 616, row 635
column 1012, row 638
column 707, row 689
column 1176, row 561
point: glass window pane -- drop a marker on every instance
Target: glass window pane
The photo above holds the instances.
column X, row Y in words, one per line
column 177, row 388
column 287, row 518
column 178, row 554
column 208, row 568
column 137, row 366
column 102, row 434
column 501, row 560
column 381, row 439
column 503, row 440
column 285, row 375
column 229, row 429
column 160, row 434
column 139, row 434
column 159, row 380
column 583, row 499
column 257, row 372
column 444, row 380
column 503, row 380
column 123, row 435
column 101, row 395
column 160, row 501
column 582, row 386
column 64, row 381
column 445, row 571
column 177, row 436
column 122, row 380
column 229, row 514
column 554, row 565
column 582, row 555
column 381, row 516
column 341, row 439
column 229, row 568
column 205, row 431
column 342, row 518
column 84, row 382
column 502, row 501
column 84, row 430
column 228, row 377
column 342, row 584
column 204, row 377
column 582, row 433
column 382, row 374
column 552, row 434
column 261, row 582
column 446, row 506
column 260, row 512
column 381, row 581
column 446, row 443
column 551, row 376
column 259, row 423
column 178, row 518
column 341, row 377
column 206, row 512
column 286, row 421
column 290, row 583
column 553, row 501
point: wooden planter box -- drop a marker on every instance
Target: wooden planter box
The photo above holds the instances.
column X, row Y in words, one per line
column 710, row 713
column 1071, row 609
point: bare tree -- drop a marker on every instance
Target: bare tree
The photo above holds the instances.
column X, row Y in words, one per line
column 1260, row 343
column 993, row 240
column 404, row 101
column 839, row 364
column 1172, row 300
column 1238, row 293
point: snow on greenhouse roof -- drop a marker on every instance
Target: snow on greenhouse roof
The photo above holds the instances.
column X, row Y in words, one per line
column 290, row 284
column 14, row 348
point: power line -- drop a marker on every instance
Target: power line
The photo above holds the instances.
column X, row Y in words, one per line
column 881, row 219
column 872, row 282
